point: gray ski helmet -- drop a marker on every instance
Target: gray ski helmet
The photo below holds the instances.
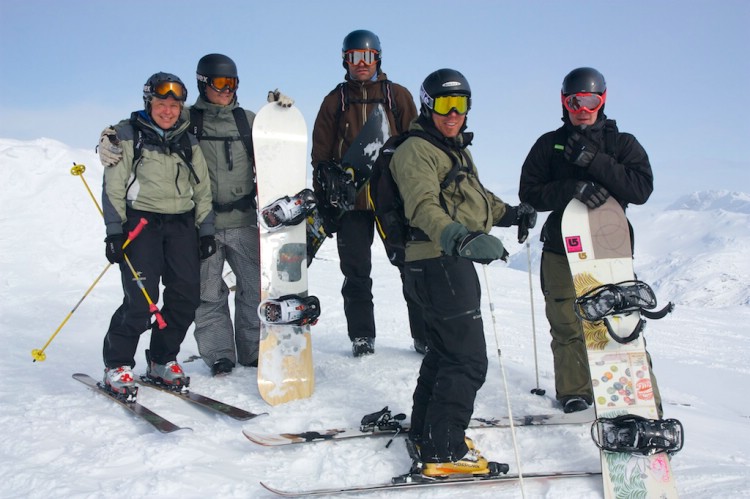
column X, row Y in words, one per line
column 155, row 87
column 361, row 39
column 211, row 66
column 584, row 80
column 442, row 82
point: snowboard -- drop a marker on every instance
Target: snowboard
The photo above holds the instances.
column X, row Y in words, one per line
column 598, row 246
column 358, row 161
column 285, row 365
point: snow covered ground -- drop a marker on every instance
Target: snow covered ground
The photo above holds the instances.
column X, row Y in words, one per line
column 61, row 439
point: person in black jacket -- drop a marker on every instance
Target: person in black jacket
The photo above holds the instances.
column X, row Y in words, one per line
column 590, row 160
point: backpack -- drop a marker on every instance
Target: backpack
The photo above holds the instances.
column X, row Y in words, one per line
column 345, row 101
column 384, row 197
column 184, row 149
column 240, row 119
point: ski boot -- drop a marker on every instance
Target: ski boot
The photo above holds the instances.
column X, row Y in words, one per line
column 473, row 463
column 638, row 435
column 288, row 210
column 169, row 375
column 120, row 381
column 290, row 309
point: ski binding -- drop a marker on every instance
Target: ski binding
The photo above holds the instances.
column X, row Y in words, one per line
column 638, row 435
column 288, row 210
column 290, row 309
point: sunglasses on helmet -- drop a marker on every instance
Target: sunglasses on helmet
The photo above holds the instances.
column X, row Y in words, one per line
column 368, row 56
column 163, row 89
column 583, row 101
column 444, row 104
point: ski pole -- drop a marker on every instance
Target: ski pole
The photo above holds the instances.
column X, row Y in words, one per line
column 38, row 354
column 151, row 306
column 505, row 384
column 537, row 390
column 77, row 171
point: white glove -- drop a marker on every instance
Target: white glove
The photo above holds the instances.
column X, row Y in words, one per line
column 279, row 98
column 110, row 152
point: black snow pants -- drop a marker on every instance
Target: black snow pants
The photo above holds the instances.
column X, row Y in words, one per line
column 167, row 251
column 455, row 366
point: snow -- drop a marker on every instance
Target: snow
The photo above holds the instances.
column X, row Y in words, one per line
column 61, row 439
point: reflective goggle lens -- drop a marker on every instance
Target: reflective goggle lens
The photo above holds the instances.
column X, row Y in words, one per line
column 164, row 88
column 583, row 101
column 221, row 83
column 445, row 104
column 354, row 57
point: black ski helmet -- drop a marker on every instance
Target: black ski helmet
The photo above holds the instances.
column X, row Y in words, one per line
column 211, row 66
column 151, row 84
column 587, row 80
column 361, row 39
column 442, row 82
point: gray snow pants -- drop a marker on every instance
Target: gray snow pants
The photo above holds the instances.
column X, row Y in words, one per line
column 215, row 334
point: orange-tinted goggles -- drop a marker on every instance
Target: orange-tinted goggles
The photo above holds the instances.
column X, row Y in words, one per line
column 224, row 83
column 163, row 89
column 584, row 102
column 368, row 56
column 443, row 105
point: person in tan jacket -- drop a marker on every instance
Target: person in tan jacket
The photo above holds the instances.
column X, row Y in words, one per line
column 454, row 219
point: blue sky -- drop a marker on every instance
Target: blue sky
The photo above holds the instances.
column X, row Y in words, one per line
column 677, row 71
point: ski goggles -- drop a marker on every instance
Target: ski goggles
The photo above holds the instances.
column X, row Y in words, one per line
column 164, row 89
column 367, row 56
column 444, row 104
column 224, row 83
column 583, row 102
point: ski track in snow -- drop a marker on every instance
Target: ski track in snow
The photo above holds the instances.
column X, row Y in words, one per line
column 61, row 439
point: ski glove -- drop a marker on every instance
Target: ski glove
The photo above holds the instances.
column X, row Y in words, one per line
column 279, row 98
column 591, row 194
column 525, row 220
column 110, row 152
column 456, row 240
column 113, row 248
column 579, row 150
column 208, row 246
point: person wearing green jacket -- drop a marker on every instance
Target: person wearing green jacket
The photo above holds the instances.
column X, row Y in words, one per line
column 161, row 178
column 453, row 222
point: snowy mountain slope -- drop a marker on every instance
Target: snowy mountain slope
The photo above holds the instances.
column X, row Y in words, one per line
column 62, row 440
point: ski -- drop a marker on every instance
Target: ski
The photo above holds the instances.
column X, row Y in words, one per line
column 386, row 424
column 203, row 401
column 409, row 481
column 158, row 422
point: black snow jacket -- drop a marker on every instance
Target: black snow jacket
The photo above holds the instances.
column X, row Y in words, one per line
column 548, row 181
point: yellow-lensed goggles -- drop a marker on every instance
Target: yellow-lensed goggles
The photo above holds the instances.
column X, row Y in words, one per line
column 444, row 104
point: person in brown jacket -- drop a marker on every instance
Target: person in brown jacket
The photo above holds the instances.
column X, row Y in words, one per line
column 341, row 117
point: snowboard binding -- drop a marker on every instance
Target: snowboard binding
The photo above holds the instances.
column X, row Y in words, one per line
column 290, row 309
column 287, row 210
column 622, row 298
column 637, row 435
column 338, row 185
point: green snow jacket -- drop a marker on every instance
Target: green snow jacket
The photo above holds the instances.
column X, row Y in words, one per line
column 418, row 168
column 160, row 181
column 229, row 166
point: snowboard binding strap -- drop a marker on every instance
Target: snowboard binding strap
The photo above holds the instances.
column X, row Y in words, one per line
column 638, row 435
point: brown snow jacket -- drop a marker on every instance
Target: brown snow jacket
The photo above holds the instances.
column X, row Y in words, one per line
column 344, row 112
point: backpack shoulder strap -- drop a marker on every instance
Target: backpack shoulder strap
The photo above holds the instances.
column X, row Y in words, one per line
column 243, row 127
column 196, row 122
column 610, row 137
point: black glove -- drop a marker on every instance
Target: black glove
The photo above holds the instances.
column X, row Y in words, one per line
column 591, row 194
column 579, row 150
column 208, row 246
column 525, row 220
column 113, row 248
